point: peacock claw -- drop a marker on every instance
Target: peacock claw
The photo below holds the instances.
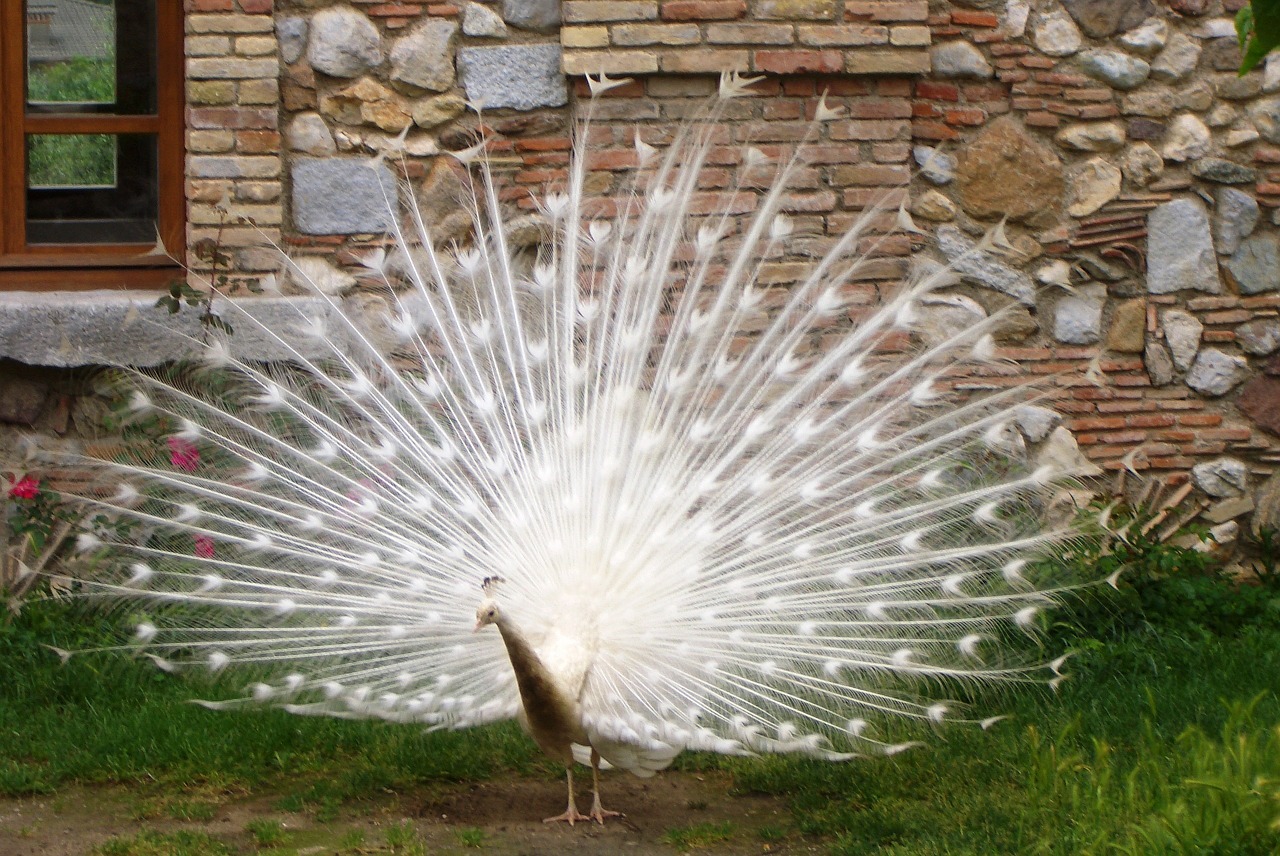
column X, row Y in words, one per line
column 599, row 814
column 570, row 816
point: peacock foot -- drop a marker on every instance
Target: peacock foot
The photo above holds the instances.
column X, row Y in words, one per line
column 598, row 814
column 571, row 816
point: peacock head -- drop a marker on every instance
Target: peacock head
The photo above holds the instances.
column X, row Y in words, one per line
column 488, row 613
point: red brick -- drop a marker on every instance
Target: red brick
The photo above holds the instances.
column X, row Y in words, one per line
column 1099, row 111
column 971, row 18
column 1041, row 119
column 257, row 7
column 791, row 62
column 894, row 87
column 1037, row 62
column 932, row 131
column 887, row 10
column 210, row 6
column 703, row 10
column 925, row 111
column 937, row 91
column 894, row 109
column 1062, row 79
column 1087, row 95
column 965, row 116
column 257, row 142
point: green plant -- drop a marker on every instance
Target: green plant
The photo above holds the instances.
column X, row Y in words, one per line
column 152, row 843
column 1258, row 29
column 471, row 837
column 698, row 835
column 219, row 263
column 402, row 838
column 1159, row 586
column 266, row 832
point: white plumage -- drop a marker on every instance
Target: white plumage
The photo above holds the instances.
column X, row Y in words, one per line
column 720, row 526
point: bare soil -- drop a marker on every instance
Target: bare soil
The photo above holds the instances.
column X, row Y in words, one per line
column 507, row 813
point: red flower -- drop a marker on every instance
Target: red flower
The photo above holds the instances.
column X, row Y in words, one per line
column 204, row 547
column 183, row 454
column 24, row 488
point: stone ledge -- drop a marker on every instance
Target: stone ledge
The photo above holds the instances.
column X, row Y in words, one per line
column 66, row 329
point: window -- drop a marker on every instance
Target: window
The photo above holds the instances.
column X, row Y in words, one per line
column 91, row 148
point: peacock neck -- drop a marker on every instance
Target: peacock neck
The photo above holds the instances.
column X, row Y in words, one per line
column 524, row 660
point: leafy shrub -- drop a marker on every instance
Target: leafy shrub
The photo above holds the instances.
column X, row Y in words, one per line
column 1159, row 587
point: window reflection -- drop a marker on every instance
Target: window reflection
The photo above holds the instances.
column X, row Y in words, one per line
column 91, row 56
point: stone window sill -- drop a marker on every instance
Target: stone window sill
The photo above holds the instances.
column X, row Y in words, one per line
column 126, row 328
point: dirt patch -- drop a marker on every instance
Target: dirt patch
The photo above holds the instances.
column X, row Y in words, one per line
column 494, row 818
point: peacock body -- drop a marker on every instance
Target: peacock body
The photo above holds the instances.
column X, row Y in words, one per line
column 724, row 519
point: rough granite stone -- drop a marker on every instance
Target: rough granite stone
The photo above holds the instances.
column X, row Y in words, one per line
column 1180, row 249
column 1118, row 70
column 126, row 328
column 1036, row 422
column 1234, row 218
column 1091, row 136
column 342, row 196
column 1266, row 118
column 1222, row 171
column 1187, row 139
column 307, row 132
column 1215, row 373
column 1104, row 18
column 1178, row 59
column 1077, row 319
column 982, row 268
column 943, row 319
column 1147, row 39
column 1062, row 452
column 1221, row 477
column 521, row 77
column 1127, row 332
column 1091, row 185
column 932, row 205
column 21, row 400
column 343, row 43
column 423, row 60
column 292, row 35
column 959, row 59
column 1255, row 265
column 1152, row 101
column 1057, row 35
column 1182, row 331
column 540, row 16
column 1005, row 171
column 1259, row 337
column 478, row 20
column 1159, row 365
column 936, row 166
column 438, row 109
column 1142, row 164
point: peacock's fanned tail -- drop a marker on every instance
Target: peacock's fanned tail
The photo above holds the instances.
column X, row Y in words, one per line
column 768, row 526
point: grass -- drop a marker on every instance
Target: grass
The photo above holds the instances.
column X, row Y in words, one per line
column 1165, row 739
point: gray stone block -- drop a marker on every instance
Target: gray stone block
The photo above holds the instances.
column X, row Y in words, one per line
column 342, row 196
column 1179, row 249
column 292, row 33
column 127, row 328
column 983, row 268
column 540, row 16
column 424, row 58
column 1255, row 265
column 343, row 43
column 522, row 77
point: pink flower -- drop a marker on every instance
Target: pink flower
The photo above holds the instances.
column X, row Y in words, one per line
column 204, row 547
column 183, row 454
column 24, row 488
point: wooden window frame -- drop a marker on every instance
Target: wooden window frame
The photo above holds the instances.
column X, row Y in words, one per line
column 86, row 266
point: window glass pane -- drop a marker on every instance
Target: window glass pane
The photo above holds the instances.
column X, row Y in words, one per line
column 91, row 188
column 91, row 56
column 72, row 160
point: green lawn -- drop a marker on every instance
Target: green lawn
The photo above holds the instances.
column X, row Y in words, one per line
column 1165, row 739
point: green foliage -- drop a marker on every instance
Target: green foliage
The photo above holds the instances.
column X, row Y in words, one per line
column 266, row 832
column 79, row 80
column 471, row 837
column 402, row 838
column 699, row 835
column 1258, row 29
column 152, row 843
column 1161, row 588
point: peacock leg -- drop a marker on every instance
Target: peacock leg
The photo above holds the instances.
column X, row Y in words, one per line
column 598, row 813
column 571, row 813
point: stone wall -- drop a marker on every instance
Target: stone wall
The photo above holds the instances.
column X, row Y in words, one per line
column 1136, row 176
